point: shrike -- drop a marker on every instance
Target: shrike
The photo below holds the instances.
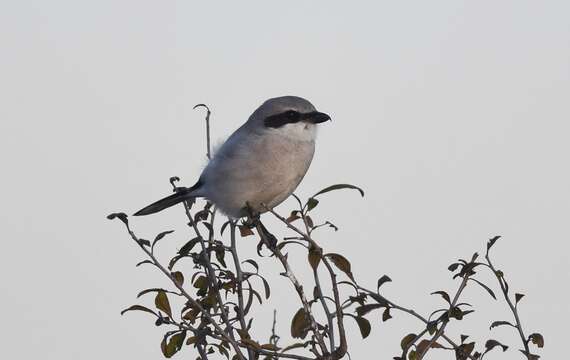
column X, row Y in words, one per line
column 260, row 164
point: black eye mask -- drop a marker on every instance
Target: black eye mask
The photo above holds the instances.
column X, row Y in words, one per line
column 292, row 116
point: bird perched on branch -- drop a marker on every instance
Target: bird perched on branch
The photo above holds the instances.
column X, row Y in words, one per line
column 260, row 164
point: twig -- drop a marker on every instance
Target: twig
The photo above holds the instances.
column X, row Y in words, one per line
column 208, row 112
column 296, row 284
column 513, row 308
column 184, row 293
column 446, row 321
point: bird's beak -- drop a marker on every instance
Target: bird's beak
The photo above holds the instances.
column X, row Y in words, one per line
column 316, row 117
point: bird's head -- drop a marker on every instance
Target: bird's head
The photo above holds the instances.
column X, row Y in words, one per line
column 289, row 115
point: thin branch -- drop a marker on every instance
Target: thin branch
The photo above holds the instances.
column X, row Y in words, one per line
column 445, row 322
column 296, row 284
column 184, row 293
column 208, row 113
column 513, row 308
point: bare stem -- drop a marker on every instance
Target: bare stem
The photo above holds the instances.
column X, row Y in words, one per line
column 513, row 307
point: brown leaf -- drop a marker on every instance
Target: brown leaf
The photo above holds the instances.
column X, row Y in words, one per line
column 314, row 257
column 341, row 263
column 178, row 277
column 364, row 326
column 300, row 324
column 537, row 339
column 245, row 231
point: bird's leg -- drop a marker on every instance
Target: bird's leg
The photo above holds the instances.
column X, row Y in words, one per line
column 254, row 221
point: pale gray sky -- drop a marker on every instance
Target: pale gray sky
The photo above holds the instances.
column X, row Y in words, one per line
column 452, row 115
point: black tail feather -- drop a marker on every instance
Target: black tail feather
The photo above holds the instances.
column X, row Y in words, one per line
column 178, row 197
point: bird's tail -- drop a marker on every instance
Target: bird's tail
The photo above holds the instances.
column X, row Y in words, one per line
column 178, row 197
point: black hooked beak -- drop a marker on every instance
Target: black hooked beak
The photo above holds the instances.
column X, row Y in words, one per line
column 316, row 117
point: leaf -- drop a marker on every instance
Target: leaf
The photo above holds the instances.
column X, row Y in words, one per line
column 443, row 294
column 341, row 263
column 178, row 278
column 338, row 187
column 173, row 345
column 518, row 297
column 492, row 241
column 266, row 287
column 143, row 242
column 245, row 231
column 365, row 309
column 311, row 203
column 294, row 216
column 363, row 325
column 160, row 236
column 201, row 283
column 453, row 267
column 314, row 257
column 138, row 308
column 144, row 262
column 491, row 344
column 537, row 339
column 300, row 324
column 309, row 221
column 121, row 216
column 224, row 227
column 425, row 343
column 253, row 263
column 407, row 341
column 220, row 256
column 186, row 248
column 386, row 314
column 384, row 279
column 146, row 291
column 485, row 287
column 495, row 324
column 162, row 303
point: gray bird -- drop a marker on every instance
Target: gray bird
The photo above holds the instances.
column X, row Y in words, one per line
column 260, row 164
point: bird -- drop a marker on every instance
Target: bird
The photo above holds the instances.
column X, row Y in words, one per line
column 260, row 164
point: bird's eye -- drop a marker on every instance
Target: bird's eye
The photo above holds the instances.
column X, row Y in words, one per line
column 292, row 114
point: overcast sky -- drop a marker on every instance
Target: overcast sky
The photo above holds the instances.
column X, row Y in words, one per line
column 452, row 115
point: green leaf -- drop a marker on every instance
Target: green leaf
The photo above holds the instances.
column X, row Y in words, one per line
column 311, row 203
column 300, row 324
column 338, row 187
column 518, row 297
column 138, row 308
column 173, row 345
column 363, row 325
column 161, row 302
column 537, row 339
